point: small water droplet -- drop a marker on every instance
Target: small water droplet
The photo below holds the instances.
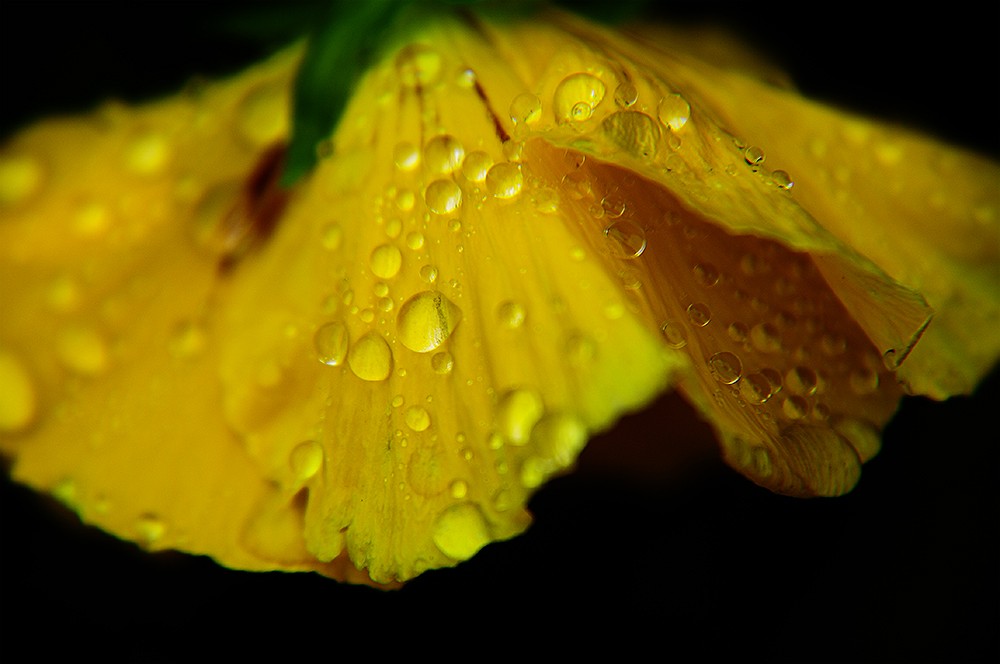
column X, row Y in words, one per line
column 737, row 332
column 331, row 342
column 511, row 314
column 580, row 350
column 753, row 156
column 756, row 388
column 526, row 108
column 577, row 96
column 699, row 314
column 765, row 338
column 674, row 111
column 613, row 205
column 726, row 367
column 305, row 460
column 150, row 529
column 504, row 180
column 332, row 236
column 393, row 227
column 82, row 350
column 371, row 358
column 406, row 156
column 458, row 489
column 418, row 66
column 443, row 154
column 148, row 154
column 20, row 178
column 626, row 94
column 442, row 363
column 628, row 239
column 782, row 179
column 18, row 397
column 461, row 531
column 674, row 334
column 428, row 273
column 415, row 240
column 417, row 418
column 517, row 414
column 802, row 380
column 443, row 197
column 795, row 407
column 385, row 261
column 706, row 274
column 426, row 320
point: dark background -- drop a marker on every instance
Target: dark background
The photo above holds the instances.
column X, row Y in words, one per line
column 686, row 560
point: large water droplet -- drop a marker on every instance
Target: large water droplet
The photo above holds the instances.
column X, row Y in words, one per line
column 18, row 398
column 628, row 239
column 674, row 111
column 526, row 108
column 443, row 154
column 331, row 342
column 795, row 407
column 726, row 367
column 576, row 96
column 782, row 179
column 426, row 320
column 305, row 460
column 461, row 531
column 443, row 197
column 476, row 166
column 518, row 413
column 504, row 180
column 371, row 358
column 385, row 261
column 417, row 418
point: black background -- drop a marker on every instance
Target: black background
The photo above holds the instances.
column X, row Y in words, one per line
column 697, row 564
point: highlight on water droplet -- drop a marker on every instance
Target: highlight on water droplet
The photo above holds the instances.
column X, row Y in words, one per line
column 726, row 367
column 443, row 197
column 674, row 111
column 385, row 261
column 577, row 96
column 331, row 342
column 426, row 320
column 504, row 180
column 305, row 460
column 511, row 314
column 461, row 531
column 628, row 239
column 18, row 398
column 406, row 156
column 370, row 358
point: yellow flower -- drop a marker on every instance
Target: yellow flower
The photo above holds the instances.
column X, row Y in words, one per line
column 518, row 232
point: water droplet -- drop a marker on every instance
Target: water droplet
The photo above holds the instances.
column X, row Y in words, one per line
column 674, row 333
column 699, row 314
column 406, row 156
column 426, row 320
column 371, row 358
column 737, row 332
column 864, row 381
column 443, row 154
column 466, row 78
column 82, row 350
column 188, row 340
column 458, row 489
column 706, row 274
column 518, row 413
column 418, row 66
column 442, row 363
column 405, row 200
column 397, row 401
column 461, row 531
column 443, row 197
column 150, row 529
column 476, row 165
column 417, row 418
column 513, row 150
column 726, row 367
column 546, row 200
column 504, row 180
column 18, row 398
column 147, row 154
column 263, row 115
column 332, row 236
column 525, row 109
column 393, row 227
column 331, row 342
column 795, row 407
column 833, row 345
column 674, row 111
column 20, row 178
column 635, row 133
column 756, row 388
column 628, row 239
column 580, row 350
column 753, row 156
column 765, row 338
column 613, row 205
column 511, row 314
column 415, row 240
column 577, row 95
column 802, row 380
column 385, row 261
column 782, row 179
column 305, row 460
column 626, row 95
column 428, row 273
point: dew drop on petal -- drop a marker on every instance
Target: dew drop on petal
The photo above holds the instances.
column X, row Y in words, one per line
column 753, row 156
column 795, row 407
column 18, row 397
column 443, row 197
column 504, row 180
column 577, row 96
column 737, row 332
column 627, row 239
column 765, row 338
column 406, row 156
column 148, row 154
column 511, row 314
column 263, row 115
column 20, row 178
column 442, row 363
column 726, row 367
column 782, row 179
column 82, row 350
column 706, row 274
column 476, row 166
column 428, row 273
column 674, row 111
column 417, row 418
column 801, row 380
column 149, row 528
column 386, row 260
column 426, row 320
column 756, row 388
column 517, row 414
column 331, row 342
column 525, row 109
column 306, row 459
column 458, row 489
column 864, row 381
column 699, row 314
column 370, row 358
column 443, row 154
column 626, row 94
column 461, row 531
column 674, row 334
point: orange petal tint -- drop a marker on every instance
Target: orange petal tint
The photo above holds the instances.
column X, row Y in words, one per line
column 519, row 232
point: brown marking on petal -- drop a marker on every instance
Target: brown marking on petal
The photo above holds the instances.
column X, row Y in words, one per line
column 497, row 125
